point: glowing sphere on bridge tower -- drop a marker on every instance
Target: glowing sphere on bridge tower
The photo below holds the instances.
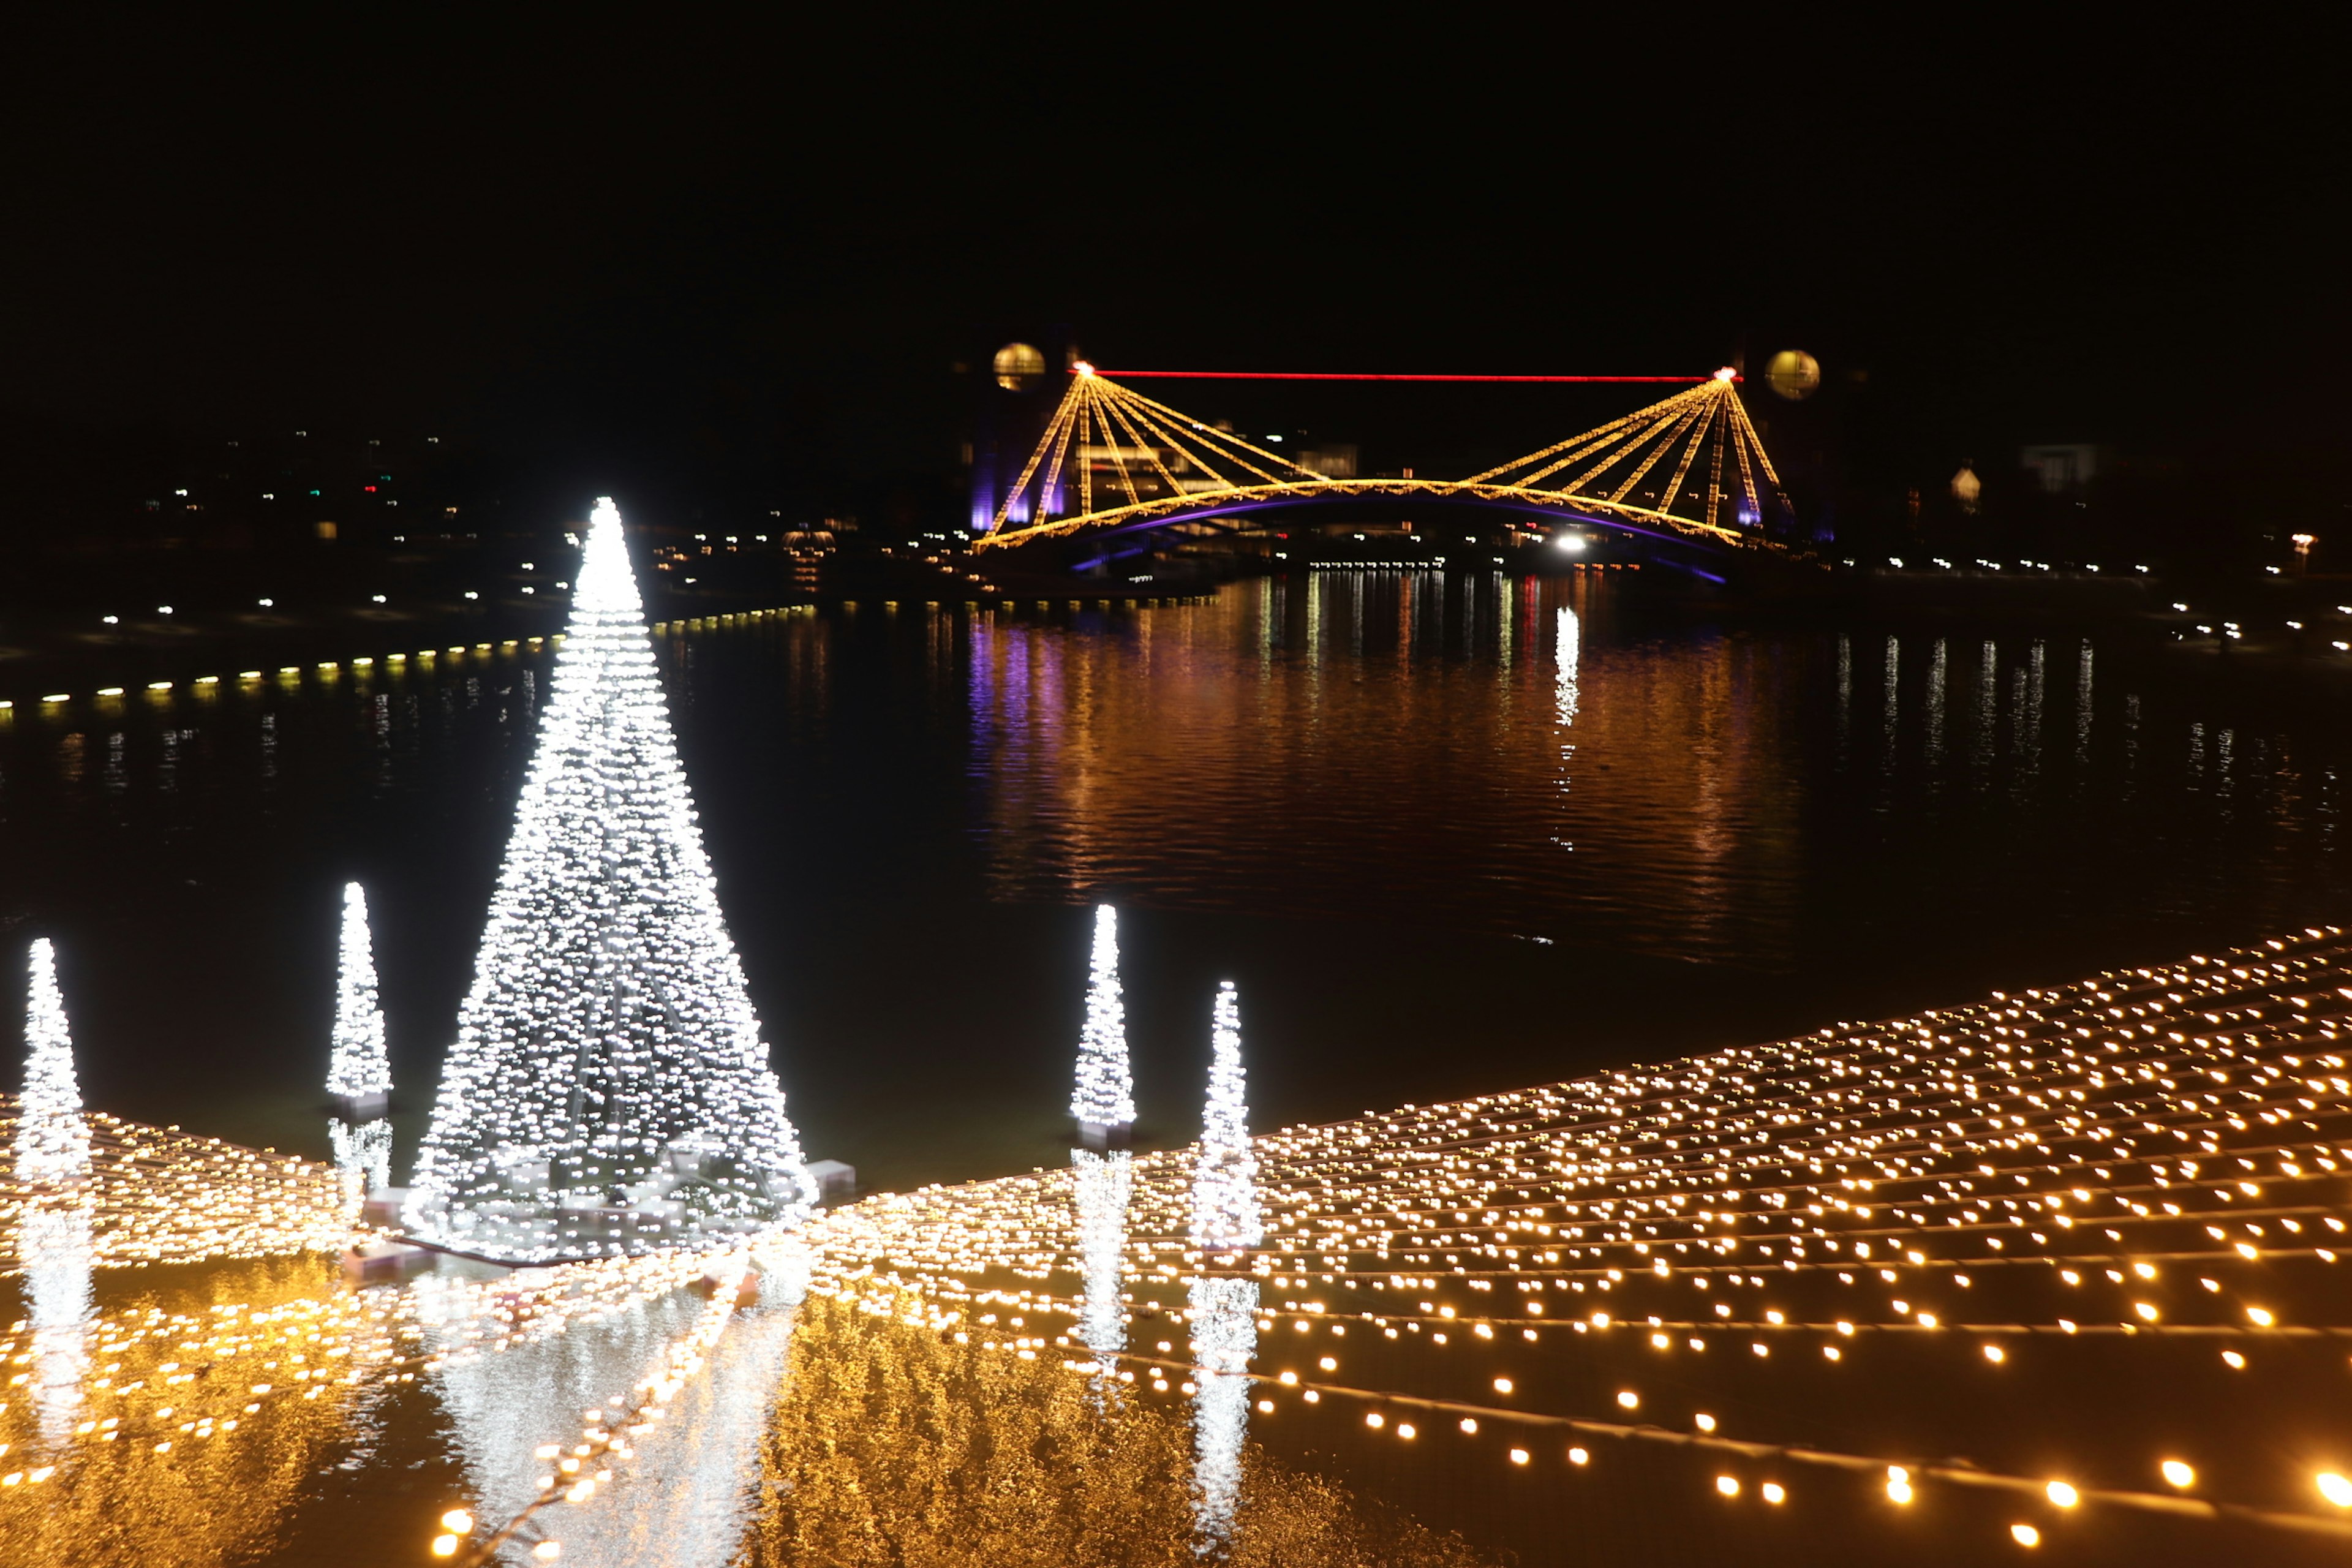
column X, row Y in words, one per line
column 1793, row 375
column 1018, row 366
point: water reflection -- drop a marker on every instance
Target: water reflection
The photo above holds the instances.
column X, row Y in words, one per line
column 1264, row 753
column 1726, row 802
column 1937, row 663
column 53, row 1245
column 682, row 1499
column 1102, row 1188
column 176, row 1462
column 1226, row 1226
column 894, row 1445
column 1566, row 637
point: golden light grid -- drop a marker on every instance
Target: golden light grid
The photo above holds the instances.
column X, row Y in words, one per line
column 2149, row 1155
column 1101, row 425
column 160, row 1195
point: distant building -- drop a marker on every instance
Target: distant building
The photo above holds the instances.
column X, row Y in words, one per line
column 1966, row 488
column 1017, row 389
column 1333, row 459
column 2062, row 469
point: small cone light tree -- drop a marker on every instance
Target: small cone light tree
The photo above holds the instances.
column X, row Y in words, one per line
column 52, row 1138
column 1103, row 1102
column 1224, row 1180
column 608, row 1092
column 358, row 1073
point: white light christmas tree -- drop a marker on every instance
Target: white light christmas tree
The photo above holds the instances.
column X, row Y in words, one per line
column 53, row 1238
column 358, row 1073
column 52, row 1138
column 1224, row 1178
column 1103, row 1102
column 1225, row 1224
column 608, row 1092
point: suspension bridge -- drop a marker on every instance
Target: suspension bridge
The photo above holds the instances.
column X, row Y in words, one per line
column 1688, row 475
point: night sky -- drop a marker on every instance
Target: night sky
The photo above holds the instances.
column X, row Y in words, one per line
column 635, row 245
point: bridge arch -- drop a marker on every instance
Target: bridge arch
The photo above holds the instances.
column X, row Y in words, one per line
column 1686, row 479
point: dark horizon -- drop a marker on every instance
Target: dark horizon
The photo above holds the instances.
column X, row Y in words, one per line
column 713, row 266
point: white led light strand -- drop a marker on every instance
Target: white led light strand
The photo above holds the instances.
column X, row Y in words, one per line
column 358, row 1073
column 1103, row 1102
column 608, row 1093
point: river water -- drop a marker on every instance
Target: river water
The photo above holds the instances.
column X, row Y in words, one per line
column 1450, row 834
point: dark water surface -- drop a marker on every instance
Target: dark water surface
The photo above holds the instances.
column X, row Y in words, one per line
column 1450, row 836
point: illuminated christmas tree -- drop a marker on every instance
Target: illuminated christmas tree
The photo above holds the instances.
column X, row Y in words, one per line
column 52, row 1138
column 1224, row 1178
column 1103, row 1102
column 609, row 1092
column 358, row 1073
column 53, row 1230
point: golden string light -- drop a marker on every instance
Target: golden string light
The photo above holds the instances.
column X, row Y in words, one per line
column 2152, row 1156
column 158, row 1195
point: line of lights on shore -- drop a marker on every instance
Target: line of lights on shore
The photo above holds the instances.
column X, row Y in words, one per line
column 329, row 669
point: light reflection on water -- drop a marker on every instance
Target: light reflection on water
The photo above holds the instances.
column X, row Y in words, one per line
column 1104, row 1184
column 53, row 1245
column 683, row 1498
column 1357, row 747
column 1540, row 759
column 1224, row 1337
